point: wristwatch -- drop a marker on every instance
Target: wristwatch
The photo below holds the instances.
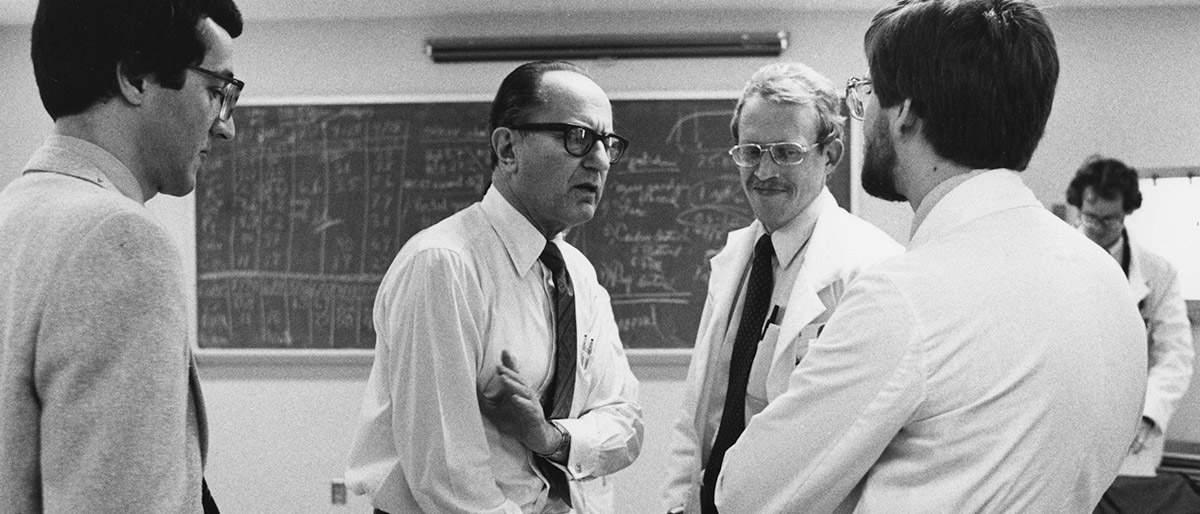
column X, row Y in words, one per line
column 563, row 450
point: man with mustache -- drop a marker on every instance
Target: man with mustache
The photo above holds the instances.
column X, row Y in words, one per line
column 500, row 384
column 995, row 366
column 776, row 281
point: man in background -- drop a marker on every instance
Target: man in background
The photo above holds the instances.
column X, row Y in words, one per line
column 755, row 328
column 101, row 403
column 1105, row 191
column 500, row 383
column 993, row 367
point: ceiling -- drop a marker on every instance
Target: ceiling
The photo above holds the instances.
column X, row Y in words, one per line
column 20, row 12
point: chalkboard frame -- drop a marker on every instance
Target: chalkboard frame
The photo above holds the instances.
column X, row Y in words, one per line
column 667, row 358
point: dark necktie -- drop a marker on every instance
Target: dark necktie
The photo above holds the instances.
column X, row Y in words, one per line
column 733, row 417
column 557, row 402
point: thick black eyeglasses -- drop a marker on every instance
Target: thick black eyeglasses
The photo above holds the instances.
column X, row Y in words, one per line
column 578, row 140
column 856, row 89
column 787, row 153
column 229, row 92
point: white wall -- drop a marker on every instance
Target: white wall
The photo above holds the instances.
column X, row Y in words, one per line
column 280, row 431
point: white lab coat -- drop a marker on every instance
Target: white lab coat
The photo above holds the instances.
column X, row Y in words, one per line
column 1155, row 287
column 993, row 368
column 840, row 247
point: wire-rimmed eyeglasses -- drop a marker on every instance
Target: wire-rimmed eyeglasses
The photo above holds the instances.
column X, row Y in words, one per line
column 1111, row 221
column 229, row 92
column 856, row 88
column 786, row 153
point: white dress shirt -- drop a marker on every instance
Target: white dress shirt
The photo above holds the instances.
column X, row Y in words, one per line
column 457, row 295
column 993, row 368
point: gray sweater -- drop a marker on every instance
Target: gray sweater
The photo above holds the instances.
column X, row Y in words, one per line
column 99, row 407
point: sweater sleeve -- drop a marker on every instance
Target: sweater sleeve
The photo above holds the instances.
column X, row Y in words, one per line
column 111, row 372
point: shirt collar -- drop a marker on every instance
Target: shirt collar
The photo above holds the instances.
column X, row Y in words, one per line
column 84, row 160
column 935, row 195
column 984, row 192
column 792, row 237
column 522, row 241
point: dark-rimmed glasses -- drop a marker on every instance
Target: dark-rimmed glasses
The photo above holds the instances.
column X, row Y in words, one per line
column 787, row 153
column 578, row 141
column 856, row 89
column 229, row 92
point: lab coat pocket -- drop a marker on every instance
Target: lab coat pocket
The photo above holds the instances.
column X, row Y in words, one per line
column 787, row 355
column 756, row 386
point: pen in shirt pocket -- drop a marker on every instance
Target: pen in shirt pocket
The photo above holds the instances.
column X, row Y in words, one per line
column 586, row 356
column 771, row 320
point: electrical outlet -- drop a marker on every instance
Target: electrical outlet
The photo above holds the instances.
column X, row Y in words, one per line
column 337, row 492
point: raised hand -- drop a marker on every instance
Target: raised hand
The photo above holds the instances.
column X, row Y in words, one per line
column 516, row 410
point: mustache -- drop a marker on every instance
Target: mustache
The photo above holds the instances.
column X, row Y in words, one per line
column 773, row 182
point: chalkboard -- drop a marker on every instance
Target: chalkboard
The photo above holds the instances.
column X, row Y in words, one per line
column 299, row 218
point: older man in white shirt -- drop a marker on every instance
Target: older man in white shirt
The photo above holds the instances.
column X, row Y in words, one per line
column 994, row 367
column 500, row 384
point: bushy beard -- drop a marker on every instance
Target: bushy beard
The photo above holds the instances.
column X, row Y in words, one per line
column 879, row 165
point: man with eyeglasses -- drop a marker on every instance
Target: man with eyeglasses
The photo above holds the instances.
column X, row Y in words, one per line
column 100, row 399
column 1104, row 191
column 500, row 384
column 775, row 282
column 992, row 368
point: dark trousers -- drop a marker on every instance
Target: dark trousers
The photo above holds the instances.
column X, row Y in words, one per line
column 206, row 499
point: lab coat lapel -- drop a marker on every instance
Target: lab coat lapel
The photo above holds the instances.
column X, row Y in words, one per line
column 728, row 267
column 804, row 306
column 1137, row 280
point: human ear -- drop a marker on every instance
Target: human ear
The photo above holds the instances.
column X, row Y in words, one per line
column 503, row 145
column 833, row 154
column 132, row 87
column 906, row 121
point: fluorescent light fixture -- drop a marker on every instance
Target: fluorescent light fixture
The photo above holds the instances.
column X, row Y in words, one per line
column 612, row 46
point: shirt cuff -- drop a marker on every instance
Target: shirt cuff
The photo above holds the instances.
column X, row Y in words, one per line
column 585, row 448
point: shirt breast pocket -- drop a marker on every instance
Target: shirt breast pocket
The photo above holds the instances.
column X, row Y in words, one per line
column 756, row 386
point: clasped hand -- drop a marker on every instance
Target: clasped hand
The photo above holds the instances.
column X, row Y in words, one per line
column 516, row 410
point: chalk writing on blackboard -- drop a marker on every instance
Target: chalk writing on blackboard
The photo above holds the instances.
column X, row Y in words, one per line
column 299, row 217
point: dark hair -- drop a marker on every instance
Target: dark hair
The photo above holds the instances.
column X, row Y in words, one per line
column 795, row 84
column 980, row 74
column 1110, row 179
column 77, row 45
column 520, row 93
